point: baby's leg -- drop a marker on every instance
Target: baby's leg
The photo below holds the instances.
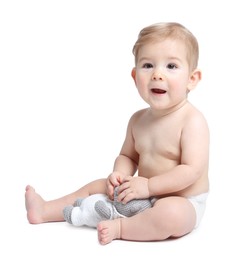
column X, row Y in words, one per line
column 169, row 217
column 41, row 211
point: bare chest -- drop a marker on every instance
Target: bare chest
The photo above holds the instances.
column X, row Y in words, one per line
column 158, row 139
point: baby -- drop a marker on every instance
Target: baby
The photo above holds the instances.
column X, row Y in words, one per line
column 165, row 153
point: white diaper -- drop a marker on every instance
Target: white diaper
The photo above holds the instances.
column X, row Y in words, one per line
column 199, row 203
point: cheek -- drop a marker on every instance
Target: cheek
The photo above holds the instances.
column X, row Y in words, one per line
column 142, row 86
column 178, row 83
column 141, row 80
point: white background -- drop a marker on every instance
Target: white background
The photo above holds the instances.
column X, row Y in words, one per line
column 66, row 96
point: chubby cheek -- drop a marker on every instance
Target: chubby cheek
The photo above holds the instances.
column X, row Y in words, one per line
column 142, row 87
column 141, row 81
column 178, row 83
column 178, row 89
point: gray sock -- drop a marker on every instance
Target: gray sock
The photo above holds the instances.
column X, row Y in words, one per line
column 102, row 209
column 132, row 207
column 78, row 202
column 67, row 213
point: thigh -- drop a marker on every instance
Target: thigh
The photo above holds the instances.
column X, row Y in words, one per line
column 177, row 213
column 96, row 186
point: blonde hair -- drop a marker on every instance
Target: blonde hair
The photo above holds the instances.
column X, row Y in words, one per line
column 174, row 31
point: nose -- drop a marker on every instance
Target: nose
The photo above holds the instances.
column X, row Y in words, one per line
column 157, row 75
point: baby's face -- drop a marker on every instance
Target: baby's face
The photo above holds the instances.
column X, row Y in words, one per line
column 162, row 73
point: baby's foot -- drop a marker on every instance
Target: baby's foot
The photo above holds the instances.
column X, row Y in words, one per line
column 109, row 230
column 34, row 205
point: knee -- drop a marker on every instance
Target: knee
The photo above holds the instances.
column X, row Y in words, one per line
column 176, row 218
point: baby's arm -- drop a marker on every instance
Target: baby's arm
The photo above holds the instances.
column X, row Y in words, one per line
column 125, row 164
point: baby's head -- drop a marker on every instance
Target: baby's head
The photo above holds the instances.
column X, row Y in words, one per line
column 172, row 31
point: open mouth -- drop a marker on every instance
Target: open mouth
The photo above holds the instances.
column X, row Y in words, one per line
column 158, row 91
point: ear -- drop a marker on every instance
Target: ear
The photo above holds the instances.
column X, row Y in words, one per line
column 195, row 77
column 133, row 74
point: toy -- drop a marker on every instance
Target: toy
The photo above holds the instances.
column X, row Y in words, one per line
column 91, row 210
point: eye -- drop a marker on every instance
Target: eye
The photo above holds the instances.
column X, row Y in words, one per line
column 147, row 66
column 172, row 66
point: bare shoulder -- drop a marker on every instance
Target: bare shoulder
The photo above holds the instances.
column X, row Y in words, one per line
column 138, row 114
column 195, row 118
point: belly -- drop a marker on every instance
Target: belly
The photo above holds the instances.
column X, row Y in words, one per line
column 150, row 166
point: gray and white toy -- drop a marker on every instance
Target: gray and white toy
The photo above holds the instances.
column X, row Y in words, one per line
column 91, row 210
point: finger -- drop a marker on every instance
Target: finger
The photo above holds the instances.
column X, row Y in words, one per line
column 113, row 180
column 123, row 187
column 119, row 180
column 110, row 190
column 122, row 196
column 128, row 198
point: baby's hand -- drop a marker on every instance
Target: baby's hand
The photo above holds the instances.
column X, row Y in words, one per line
column 113, row 180
column 133, row 188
